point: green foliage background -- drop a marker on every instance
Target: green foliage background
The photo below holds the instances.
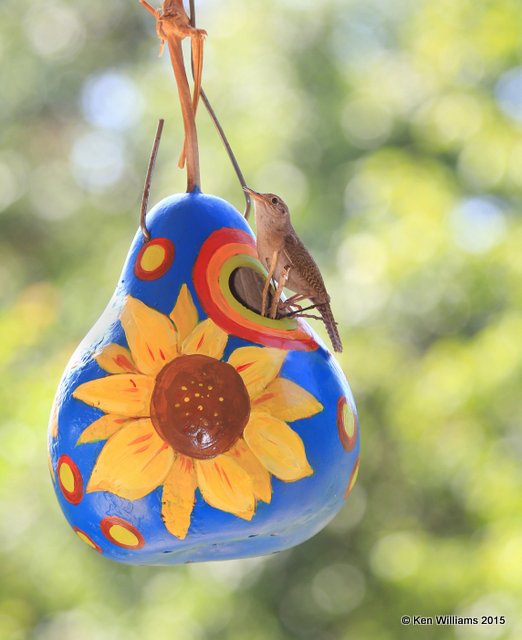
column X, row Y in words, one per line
column 394, row 130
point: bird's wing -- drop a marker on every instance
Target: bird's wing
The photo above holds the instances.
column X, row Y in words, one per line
column 300, row 259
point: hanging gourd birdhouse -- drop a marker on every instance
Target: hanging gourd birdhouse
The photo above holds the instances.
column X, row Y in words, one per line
column 201, row 418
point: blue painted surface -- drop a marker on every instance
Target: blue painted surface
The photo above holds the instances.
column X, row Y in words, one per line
column 298, row 509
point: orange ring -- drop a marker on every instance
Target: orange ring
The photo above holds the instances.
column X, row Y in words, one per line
column 220, row 247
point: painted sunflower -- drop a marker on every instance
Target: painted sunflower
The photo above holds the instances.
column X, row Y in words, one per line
column 177, row 415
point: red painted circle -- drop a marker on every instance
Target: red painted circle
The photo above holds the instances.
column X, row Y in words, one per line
column 87, row 539
column 74, row 494
column 107, row 523
column 348, row 441
column 164, row 265
column 353, row 478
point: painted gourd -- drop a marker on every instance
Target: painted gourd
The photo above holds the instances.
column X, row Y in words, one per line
column 186, row 426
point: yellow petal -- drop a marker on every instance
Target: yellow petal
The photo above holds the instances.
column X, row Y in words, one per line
column 127, row 394
column 184, row 315
column 134, row 461
column 116, row 359
column 257, row 366
column 103, row 428
column 287, row 401
column 260, row 477
column 151, row 336
column 226, row 486
column 207, row 339
column 179, row 496
column 279, row 448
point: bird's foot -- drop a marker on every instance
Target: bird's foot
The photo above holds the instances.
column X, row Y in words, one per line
column 285, row 306
column 306, row 315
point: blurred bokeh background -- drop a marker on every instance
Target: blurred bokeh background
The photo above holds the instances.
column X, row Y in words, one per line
column 394, row 130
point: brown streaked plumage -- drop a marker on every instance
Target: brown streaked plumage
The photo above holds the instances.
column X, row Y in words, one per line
column 288, row 260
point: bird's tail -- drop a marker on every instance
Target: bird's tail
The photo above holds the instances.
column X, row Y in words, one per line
column 331, row 326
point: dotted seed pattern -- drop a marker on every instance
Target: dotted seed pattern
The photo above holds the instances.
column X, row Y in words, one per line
column 187, row 427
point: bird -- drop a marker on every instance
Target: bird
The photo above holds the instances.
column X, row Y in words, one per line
column 289, row 262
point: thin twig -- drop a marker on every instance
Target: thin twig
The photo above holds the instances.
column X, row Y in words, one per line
column 148, row 179
column 215, row 120
column 233, row 160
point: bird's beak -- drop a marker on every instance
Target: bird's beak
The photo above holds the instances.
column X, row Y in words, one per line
column 253, row 194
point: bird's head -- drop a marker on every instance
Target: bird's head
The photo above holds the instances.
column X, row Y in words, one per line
column 269, row 204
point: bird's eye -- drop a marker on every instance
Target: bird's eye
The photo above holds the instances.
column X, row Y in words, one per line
column 275, row 200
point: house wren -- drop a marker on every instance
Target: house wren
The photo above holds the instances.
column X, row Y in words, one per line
column 289, row 262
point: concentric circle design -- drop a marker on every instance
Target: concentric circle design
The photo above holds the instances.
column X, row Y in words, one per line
column 353, row 479
column 223, row 252
column 121, row 533
column 87, row 539
column 154, row 259
column 69, row 479
column 347, row 424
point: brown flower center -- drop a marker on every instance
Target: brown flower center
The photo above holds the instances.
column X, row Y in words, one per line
column 200, row 406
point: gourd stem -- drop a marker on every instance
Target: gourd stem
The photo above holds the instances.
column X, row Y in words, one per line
column 172, row 25
column 221, row 132
column 189, row 123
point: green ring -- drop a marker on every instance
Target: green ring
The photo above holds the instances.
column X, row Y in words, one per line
column 242, row 260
